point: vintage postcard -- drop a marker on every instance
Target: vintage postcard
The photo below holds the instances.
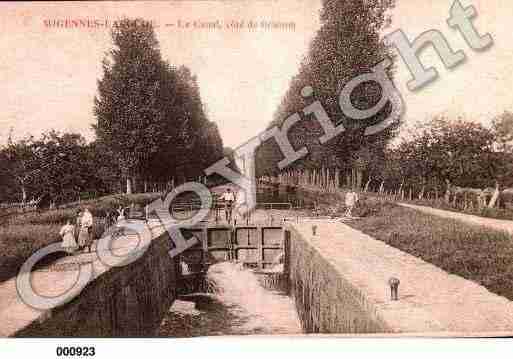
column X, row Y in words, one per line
column 179, row 169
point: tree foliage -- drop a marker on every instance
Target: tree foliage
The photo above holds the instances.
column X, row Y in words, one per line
column 502, row 126
column 150, row 114
column 55, row 167
column 151, row 126
column 461, row 152
column 347, row 45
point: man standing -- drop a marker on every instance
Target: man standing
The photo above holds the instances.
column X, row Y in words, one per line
column 351, row 199
column 229, row 198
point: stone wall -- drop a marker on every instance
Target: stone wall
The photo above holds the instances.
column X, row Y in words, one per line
column 127, row 301
column 325, row 301
column 339, row 279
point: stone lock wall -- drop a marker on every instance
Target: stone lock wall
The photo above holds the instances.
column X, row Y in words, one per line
column 325, row 301
column 127, row 301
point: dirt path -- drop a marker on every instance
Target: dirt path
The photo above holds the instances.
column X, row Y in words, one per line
column 497, row 224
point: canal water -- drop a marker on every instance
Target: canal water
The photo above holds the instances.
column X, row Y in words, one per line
column 238, row 305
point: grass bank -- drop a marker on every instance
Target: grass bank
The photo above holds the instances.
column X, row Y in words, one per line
column 475, row 253
column 22, row 234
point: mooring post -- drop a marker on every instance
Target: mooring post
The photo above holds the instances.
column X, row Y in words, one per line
column 394, row 288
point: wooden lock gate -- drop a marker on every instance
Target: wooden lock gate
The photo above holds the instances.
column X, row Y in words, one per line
column 255, row 246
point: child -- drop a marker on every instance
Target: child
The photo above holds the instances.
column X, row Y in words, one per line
column 86, row 225
column 67, row 233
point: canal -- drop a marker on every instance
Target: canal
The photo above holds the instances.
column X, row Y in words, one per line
column 237, row 304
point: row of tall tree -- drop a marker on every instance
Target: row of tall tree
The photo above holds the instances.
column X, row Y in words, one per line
column 151, row 127
column 440, row 158
column 347, row 45
column 150, row 117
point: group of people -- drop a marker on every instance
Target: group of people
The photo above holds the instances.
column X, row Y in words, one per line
column 78, row 236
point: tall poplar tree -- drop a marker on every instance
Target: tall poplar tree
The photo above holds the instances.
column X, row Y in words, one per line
column 348, row 44
column 129, row 118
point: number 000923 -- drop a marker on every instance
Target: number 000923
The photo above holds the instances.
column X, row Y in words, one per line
column 75, row 351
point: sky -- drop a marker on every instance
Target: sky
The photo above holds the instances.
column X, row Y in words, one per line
column 48, row 75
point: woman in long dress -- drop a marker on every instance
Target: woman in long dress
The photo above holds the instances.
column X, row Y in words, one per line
column 67, row 233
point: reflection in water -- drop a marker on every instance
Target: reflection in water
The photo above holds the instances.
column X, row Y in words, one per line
column 239, row 305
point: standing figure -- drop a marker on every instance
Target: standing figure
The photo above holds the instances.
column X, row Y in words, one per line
column 77, row 228
column 229, row 198
column 85, row 236
column 121, row 213
column 350, row 199
column 67, row 233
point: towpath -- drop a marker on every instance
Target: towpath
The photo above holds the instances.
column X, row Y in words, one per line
column 497, row 224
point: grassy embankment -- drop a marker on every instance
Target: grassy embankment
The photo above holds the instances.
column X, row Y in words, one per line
column 476, row 253
column 23, row 234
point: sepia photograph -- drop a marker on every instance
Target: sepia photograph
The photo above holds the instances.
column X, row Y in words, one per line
column 304, row 169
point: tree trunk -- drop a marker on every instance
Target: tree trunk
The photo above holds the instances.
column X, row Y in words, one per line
column 23, row 193
column 128, row 185
column 447, row 192
column 366, row 189
column 134, row 184
column 359, row 176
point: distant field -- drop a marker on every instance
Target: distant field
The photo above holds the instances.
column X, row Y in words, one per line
column 23, row 234
column 476, row 253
